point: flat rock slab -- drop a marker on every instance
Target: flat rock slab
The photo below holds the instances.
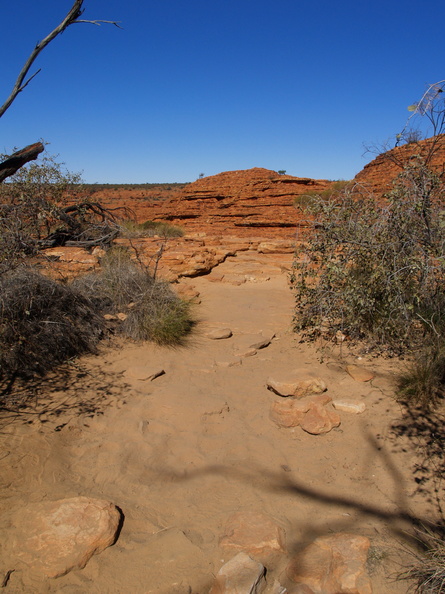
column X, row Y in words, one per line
column 359, row 373
column 240, row 575
column 219, row 333
column 310, row 413
column 255, row 534
column 333, row 564
column 297, row 387
column 355, row 407
column 55, row 537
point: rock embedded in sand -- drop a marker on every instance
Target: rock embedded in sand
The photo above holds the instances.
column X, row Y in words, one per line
column 359, row 373
column 55, row 537
column 310, row 413
column 350, row 406
column 253, row 533
column 219, row 333
column 332, row 565
column 297, row 387
column 240, row 575
column 319, row 420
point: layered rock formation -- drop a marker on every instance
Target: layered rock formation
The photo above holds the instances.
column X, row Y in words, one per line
column 379, row 174
column 253, row 202
column 247, row 203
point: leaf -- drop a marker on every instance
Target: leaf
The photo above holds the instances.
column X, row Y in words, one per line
column 412, row 107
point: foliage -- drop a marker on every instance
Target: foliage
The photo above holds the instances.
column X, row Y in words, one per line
column 132, row 230
column 428, row 568
column 42, row 323
column 152, row 310
column 375, row 269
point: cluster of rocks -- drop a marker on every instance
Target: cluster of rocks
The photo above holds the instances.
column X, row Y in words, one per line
column 190, row 256
column 304, row 402
column 50, row 539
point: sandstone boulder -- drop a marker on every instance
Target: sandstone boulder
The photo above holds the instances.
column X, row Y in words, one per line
column 54, row 537
column 334, row 564
column 355, row 407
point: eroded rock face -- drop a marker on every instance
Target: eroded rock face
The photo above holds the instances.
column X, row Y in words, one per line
column 54, row 537
column 379, row 173
column 334, row 564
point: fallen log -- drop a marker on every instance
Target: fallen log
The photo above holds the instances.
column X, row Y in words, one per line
column 20, row 158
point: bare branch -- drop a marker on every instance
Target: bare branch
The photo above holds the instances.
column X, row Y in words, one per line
column 71, row 18
column 20, row 158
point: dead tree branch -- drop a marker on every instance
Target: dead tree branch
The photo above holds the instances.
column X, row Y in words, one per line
column 20, row 158
column 22, row 81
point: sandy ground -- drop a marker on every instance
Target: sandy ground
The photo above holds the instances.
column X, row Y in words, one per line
column 183, row 452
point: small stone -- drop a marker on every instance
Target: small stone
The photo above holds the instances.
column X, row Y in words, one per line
column 359, row 373
column 333, row 564
column 144, row 373
column 255, row 534
column 262, row 344
column 219, row 333
column 319, row 420
column 298, row 388
column 351, row 406
column 247, row 353
column 55, row 537
column 240, row 575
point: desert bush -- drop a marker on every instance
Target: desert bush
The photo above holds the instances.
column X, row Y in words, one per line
column 374, row 269
column 153, row 311
column 42, row 323
column 423, row 379
column 427, row 571
column 132, row 230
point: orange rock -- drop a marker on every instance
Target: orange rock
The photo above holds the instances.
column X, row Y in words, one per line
column 333, row 564
column 319, row 419
column 240, row 575
column 256, row 534
column 359, row 373
column 55, row 537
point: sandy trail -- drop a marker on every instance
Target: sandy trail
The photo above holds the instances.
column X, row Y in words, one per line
column 183, row 452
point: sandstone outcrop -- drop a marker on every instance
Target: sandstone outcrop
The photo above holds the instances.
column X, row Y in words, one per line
column 379, row 173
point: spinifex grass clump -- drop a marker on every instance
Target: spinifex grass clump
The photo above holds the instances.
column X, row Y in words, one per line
column 133, row 230
column 42, row 323
column 153, row 311
column 427, row 572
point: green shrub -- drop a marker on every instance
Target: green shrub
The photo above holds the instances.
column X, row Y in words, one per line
column 423, row 380
column 375, row 270
column 132, row 230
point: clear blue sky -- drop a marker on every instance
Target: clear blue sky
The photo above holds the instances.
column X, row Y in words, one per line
column 190, row 87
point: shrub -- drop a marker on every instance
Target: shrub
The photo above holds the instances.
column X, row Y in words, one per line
column 153, row 311
column 42, row 323
column 373, row 269
column 423, row 380
column 428, row 568
column 133, row 230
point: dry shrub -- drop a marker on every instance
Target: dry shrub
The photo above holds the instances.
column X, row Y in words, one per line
column 132, row 230
column 42, row 323
column 373, row 270
column 153, row 310
column 427, row 572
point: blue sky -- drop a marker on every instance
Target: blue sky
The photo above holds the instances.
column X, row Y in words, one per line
column 190, row 87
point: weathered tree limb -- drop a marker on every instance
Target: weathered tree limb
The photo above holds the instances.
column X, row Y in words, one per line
column 71, row 18
column 20, row 158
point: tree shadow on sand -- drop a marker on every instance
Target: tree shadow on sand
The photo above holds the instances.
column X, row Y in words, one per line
column 421, row 431
column 72, row 390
